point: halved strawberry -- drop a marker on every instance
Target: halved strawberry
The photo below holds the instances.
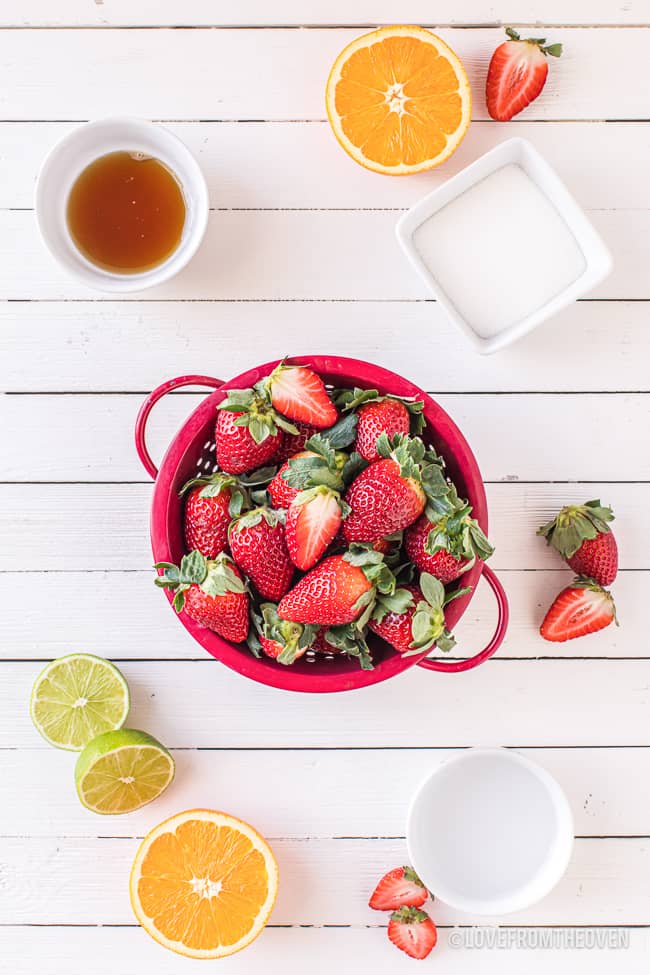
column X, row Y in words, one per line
column 400, row 887
column 313, row 520
column 299, row 394
column 583, row 607
column 413, row 932
column 517, row 74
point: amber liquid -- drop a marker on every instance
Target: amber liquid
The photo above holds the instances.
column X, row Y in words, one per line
column 126, row 212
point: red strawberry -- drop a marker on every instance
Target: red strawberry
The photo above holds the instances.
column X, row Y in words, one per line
column 340, row 590
column 210, row 505
column 319, row 465
column 582, row 536
column 517, row 74
column 391, row 494
column 280, row 492
column 412, row 619
column 400, row 887
column 388, row 416
column 313, row 520
column 448, row 546
column 299, row 394
column 413, row 932
column 583, row 607
column 294, row 442
column 212, row 593
column 279, row 639
column 237, row 451
column 259, row 547
column 322, row 645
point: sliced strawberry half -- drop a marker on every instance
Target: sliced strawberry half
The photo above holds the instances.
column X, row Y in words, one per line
column 400, row 887
column 581, row 608
column 413, row 932
column 313, row 521
column 299, row 394
column 517, row 74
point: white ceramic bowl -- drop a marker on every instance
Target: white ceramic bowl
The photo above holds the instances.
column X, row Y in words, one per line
column 490, row 832
column 74, row 153
column 597, row 259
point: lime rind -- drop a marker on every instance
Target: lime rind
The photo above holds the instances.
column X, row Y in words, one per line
column 121, row 771
column 77, row 697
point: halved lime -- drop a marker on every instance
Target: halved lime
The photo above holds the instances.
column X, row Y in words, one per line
column 76, row 698
column 122, row 770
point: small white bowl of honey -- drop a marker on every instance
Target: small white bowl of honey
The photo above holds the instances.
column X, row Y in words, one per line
column 121, row 204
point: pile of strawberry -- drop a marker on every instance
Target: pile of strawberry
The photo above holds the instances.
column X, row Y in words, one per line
column 328, row 516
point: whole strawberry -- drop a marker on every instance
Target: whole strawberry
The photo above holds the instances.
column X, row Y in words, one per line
column 582, row 536
column 581, row 608
column 391, row 493
column 249, row 432
column 517, row 74
column 380, row 414
column 210, row 505
column 412, row 620
column 298, row 393
column 259, row 547
column 212, row 592
column 279, row 639
column 340, row 590
column 449, row 545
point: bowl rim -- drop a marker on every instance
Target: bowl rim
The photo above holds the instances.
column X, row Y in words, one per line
column 546, row 877
column 234, row 656
column 195, row 191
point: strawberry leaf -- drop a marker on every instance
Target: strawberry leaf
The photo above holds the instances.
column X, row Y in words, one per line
column 342, row 434
column 194, row 568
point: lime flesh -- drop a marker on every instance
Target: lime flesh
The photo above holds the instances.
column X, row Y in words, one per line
column 120, row 771
column 76, row 698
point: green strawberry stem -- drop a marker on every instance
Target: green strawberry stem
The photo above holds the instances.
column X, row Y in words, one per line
column 575, row 524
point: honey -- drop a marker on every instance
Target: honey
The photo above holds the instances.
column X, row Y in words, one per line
column 126, row 212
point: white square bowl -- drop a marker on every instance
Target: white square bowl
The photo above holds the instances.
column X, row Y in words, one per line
column 598, row 261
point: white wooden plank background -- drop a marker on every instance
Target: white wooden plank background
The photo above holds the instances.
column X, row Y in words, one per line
column 301, row 257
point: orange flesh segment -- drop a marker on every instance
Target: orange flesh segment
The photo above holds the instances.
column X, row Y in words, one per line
column 398, row 102
column 203, row 885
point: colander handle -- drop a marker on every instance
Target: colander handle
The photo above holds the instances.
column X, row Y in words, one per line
column 454, row 667
column 150, row 402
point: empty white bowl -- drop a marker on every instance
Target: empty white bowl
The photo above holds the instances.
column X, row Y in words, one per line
column 596, row 263
column 490, row 832
column 74, row 153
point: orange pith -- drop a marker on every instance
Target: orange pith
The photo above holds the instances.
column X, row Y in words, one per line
column 398, row 100
column 203, row 884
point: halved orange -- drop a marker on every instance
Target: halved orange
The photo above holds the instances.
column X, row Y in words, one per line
column 203, row 884
column 398, row 100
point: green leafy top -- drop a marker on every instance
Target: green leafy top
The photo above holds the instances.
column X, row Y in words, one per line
column 575, row 524
column 254, row 517
column 323, row 467
column 351, row 641
column 351, row 399
column 457, row 533
column 214, row 484
column 555, row 50
column 215, row 577
column 294, row 638
column 256, row 412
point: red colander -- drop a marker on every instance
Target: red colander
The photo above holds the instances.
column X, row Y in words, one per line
column 192, row 451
